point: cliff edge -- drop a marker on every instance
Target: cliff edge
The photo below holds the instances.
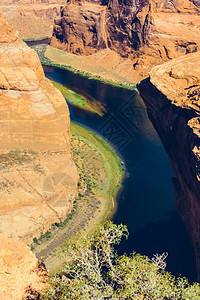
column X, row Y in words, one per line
column 38, row 178
column 172, row 96
column 21, row 275
column 149, row 32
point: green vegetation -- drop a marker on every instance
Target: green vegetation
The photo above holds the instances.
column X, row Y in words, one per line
column 71, row 96
column 78, row 100
column 93, row 270
column 102, row 170
column 100, row 174
column 41, row 50
column 88, row 75
column 36, row 39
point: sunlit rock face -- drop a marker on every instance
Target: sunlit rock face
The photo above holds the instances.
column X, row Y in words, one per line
column 32, row 18
column 21, row 276
column 149, row 32
column 84, row 27
column 172, row 96
column 38, row 178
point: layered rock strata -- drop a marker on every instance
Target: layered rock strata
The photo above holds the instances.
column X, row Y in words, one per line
column 32, row 18
column 172, row 96
column 38, row 177
column 147, row 31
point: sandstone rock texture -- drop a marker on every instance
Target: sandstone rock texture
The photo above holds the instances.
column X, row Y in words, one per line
column 38, row 178
column 32, row 18
column 21, row 275
column 147, row 31
column 172, row 96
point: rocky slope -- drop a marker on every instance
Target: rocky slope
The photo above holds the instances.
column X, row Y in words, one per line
column 38, row 178
column 32, row 18
column 147, row 31
column 172, row 96
column 21, row 275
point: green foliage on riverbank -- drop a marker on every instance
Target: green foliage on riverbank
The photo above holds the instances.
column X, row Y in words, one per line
column 94, row 271
column 78, row 100
column 41, row 50
column 88, row 75
column 71, row 96
column 100, row 174
column 36, row 39
column 105, row 177
column 92, row 105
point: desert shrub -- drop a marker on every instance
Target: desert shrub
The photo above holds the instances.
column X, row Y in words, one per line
column 93, row 270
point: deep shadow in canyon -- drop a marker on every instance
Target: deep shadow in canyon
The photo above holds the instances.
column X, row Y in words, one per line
column 146, row 202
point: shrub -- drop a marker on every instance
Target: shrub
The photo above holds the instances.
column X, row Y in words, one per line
column 93, row 270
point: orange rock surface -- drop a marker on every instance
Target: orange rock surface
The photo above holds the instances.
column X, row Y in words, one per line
column 147, row 32
column 32, row 18
column 179, row 79
column 172, row 96
column 21, row 275
column 38, row 178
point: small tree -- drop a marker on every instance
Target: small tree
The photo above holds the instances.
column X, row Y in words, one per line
column 94, row 271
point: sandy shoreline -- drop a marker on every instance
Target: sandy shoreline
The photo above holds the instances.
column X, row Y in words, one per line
column 100, row 177
column 94, row 156
column 93, row 66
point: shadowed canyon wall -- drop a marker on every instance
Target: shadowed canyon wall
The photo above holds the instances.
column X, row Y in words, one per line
column 172, row 96
column 147, row 31
column 32, row 18
column 38, row 178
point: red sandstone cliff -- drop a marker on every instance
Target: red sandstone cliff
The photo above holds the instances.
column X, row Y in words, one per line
column 38, row 178
column 32, row 18
column 172, row 96
column 147, row 31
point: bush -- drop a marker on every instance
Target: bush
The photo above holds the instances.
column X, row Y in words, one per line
column 35, row 240
column 94, row 271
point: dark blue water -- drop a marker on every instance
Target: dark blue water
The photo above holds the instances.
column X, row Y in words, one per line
column 146, row 202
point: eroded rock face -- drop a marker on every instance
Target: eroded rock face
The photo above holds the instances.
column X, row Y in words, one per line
column 21, row 275
column 148, row 32
column 172, row 96
column 38, row 177
column 84, row 27
column 32, row 18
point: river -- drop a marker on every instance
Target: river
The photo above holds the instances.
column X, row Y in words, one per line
column 146, row 201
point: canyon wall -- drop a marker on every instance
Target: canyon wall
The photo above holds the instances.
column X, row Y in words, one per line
column 172, row 97
column 38, row 178
column 22, row 277
column 32, row 18
column 147, row 31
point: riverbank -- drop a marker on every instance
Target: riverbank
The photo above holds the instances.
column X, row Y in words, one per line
column 104, row 66
column 41, row 39
column 78, row 100
column 100, row 175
